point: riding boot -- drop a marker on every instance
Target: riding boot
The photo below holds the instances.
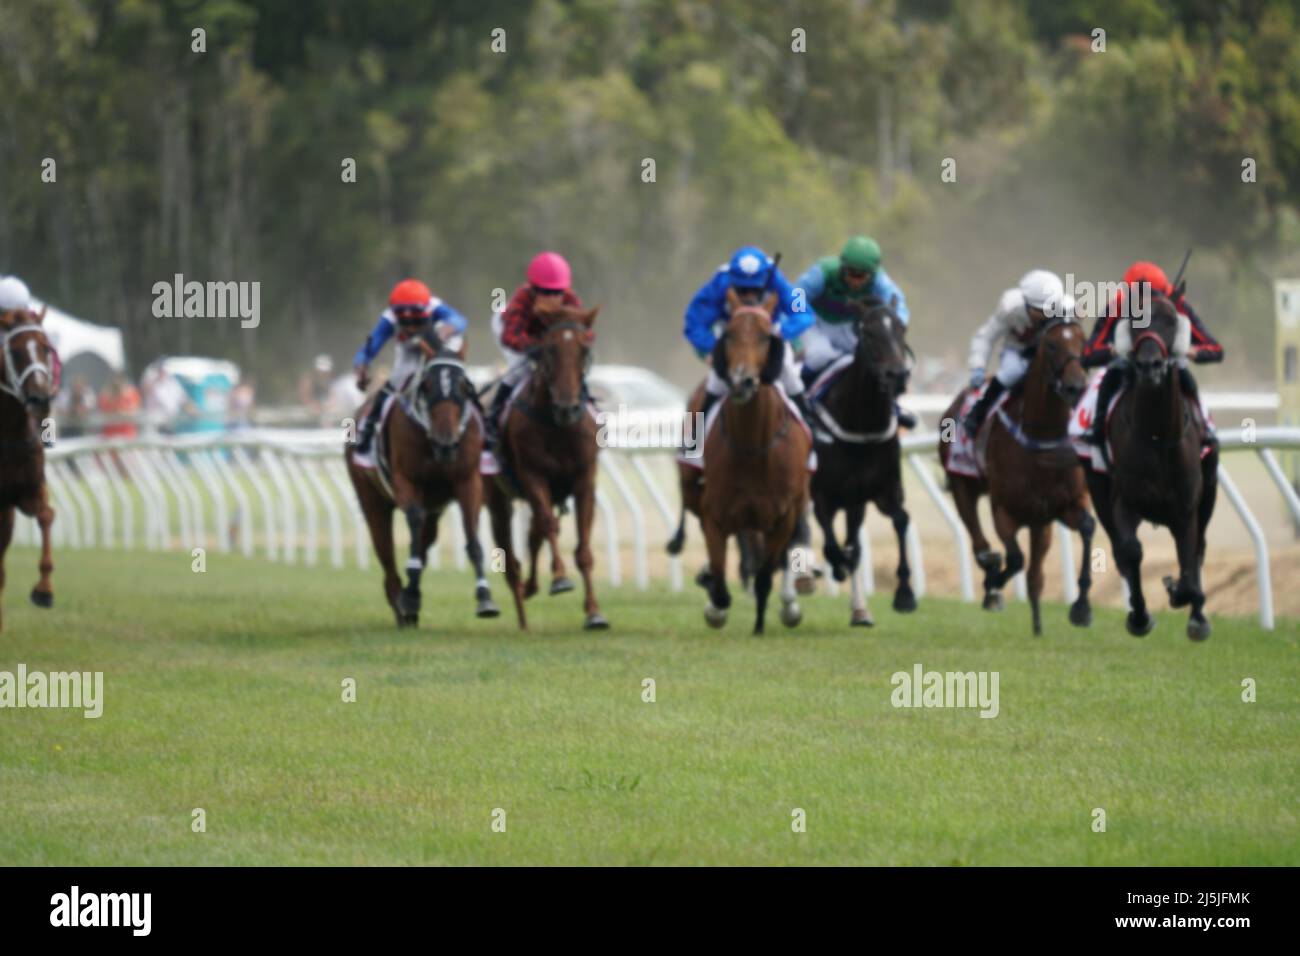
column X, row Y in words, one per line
column 1110, row 383
column 975, row 418
column 493, row 417
column 372, row 420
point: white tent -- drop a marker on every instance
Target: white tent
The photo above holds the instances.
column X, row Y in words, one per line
column 73, row 337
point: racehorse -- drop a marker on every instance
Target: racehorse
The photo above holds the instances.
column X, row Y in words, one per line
column 861, row 461
column 1032, row 476
column 1158, row 473
column 755, row 471
column 547, row 454
column 427, row 455
column 26, row 387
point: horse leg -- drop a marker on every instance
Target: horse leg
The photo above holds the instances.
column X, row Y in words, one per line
column 904, row 596
column 835, row 556
column 715, row 612
column 1080, row 520
column 1187, row 590
column 859, row 613
column 1128, row 555
column 43, row 593
column 499, row 509
column 805, row 582
column 379, row 520
column 678, row 540
column 791, row 613
column 408, row 600
column 469, row 496
column 1006, row 529
column 584, row 496
column 965, row 495
column 6, row 533
column 1040, row 540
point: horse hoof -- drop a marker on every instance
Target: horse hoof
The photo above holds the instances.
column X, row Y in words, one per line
column 1139, row 626
column 408, row 604
column 43, row 599
column 702, row 578
column 715, row 616
column 839, row 573
column 1198, row 630
column 530, row 588
column 994, row 601
column 805, row 584
column 408, row 620
column 904, row 601
column 595, row 622
column 862, row 618
column 675, row 545
column 791, row 614
column 1081, row 613
column 561, row 586
column 487, row 609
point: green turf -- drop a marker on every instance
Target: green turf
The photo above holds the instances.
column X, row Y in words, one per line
column 223, row 692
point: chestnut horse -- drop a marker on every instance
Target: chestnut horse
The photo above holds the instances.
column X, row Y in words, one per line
column 26, row 387
column 1157, row 472
column 861, row 462
column 431, row 442
column 547, row 452
column 755, row 464
column 1033, row 476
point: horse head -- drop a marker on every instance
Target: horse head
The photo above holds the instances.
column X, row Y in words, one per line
column 28, row 360
column 563, row 359
column 748, row 344
column 443, row 397
column 882, row 352
column 1058, row 357
column 1156, row 346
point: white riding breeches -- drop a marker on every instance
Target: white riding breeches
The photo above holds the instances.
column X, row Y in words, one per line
column 824, row 342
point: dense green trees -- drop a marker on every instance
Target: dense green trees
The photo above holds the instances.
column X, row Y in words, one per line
column 227, row 164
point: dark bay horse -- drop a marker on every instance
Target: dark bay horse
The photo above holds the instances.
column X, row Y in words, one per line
column 1157, row 472
column 862, row 461
column 548, row 453
column 1033, row 476
column 755, row 464
column 26, row 387
column 431, row 442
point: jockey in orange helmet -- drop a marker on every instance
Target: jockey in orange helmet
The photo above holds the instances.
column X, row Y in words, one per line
column 421, row 322
column 1100, row 347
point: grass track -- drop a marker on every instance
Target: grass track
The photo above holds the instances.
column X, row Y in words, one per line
column 223, row 692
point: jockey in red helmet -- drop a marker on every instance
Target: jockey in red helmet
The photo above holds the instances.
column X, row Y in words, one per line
column 1141, row 280
column 421, row 322
column 527, row 315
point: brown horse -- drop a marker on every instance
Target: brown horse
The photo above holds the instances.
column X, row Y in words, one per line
column 860, row 461
column 548, row 453
column 1158, row 474
column 1033, row 477
column 430, row 444
column 755, row 473
column 26, row 387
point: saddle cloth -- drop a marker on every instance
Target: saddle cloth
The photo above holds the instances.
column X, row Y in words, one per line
column 1086, row 410
column 964, row 457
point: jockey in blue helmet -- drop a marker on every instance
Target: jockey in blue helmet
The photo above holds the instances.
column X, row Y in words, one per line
column 752, row 274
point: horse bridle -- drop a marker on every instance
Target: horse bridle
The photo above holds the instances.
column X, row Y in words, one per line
column 446, row 391
column 1057, row 371
column 12, row 381
column 872, row 312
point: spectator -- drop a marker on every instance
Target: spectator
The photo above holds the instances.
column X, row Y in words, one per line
column 120, row 402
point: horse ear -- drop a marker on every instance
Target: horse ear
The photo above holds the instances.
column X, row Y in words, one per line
column 769, row 303
column 733, row 300
column 588, row 317
column 40, row 316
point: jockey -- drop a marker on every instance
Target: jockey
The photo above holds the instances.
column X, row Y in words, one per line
column 1101, row 348
column 414, row 314
column 831, row 286
column 530, row 310
column 752, row 274
column 1015, row 322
